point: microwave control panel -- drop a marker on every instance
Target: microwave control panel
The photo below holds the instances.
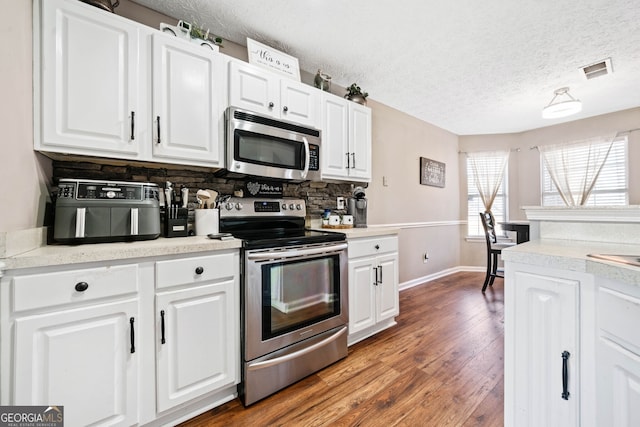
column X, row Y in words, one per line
column 314, row 157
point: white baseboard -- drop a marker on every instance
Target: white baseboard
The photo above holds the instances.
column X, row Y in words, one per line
column 420, row 280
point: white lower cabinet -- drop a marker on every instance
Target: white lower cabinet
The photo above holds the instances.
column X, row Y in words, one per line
column 84, row 338
column 618, row 354
column 549, row 347
column 84, row 359
column 197, row 337
column 373, row 286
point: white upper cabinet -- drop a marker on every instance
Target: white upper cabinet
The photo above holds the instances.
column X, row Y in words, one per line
column 110, row 87
column 346, row 140
column 186, row 113
column 89, row 98
column 265, row 93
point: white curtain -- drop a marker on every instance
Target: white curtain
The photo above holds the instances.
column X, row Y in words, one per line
column 574, row 167
column 488, row 171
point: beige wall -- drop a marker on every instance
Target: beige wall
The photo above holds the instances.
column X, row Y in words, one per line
column 23, row 173
column 524, row 165
column 399, row 140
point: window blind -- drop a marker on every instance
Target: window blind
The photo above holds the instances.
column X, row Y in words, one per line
column 611, row 188
column 474, row 201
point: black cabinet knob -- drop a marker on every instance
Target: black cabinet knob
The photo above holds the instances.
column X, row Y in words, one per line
column 377, row 247
column 285, row 108
column 271, row 105
column 82, row 286
column 199, row 270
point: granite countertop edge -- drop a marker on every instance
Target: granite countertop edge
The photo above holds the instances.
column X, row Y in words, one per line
column 572, row 255
column 55, row 255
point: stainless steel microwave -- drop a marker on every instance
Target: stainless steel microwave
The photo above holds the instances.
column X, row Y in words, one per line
column 263, row 146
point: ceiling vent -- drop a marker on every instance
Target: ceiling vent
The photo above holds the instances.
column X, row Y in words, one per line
column 598, row 69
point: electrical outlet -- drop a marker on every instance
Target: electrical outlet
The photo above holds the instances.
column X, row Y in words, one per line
column 340, row 203
column 425, row 257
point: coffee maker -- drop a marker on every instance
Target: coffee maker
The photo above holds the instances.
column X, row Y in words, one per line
column 357, row 207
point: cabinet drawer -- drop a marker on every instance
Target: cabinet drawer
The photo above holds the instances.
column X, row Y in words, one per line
column 196, row 269
column 51, row 289
column 618, row 314
column 373, row 246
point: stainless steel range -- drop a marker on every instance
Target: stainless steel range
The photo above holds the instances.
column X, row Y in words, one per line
column 294, row 296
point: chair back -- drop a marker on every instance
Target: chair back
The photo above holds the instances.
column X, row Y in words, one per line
column 489, row 225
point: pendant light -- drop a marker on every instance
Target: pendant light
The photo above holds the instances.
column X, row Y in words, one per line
column 562, row 105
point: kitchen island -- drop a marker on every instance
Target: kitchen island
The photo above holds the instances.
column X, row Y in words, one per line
column 570, row 356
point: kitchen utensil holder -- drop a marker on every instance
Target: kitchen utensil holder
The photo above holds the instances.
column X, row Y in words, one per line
column 176, row 226
column 207, row 221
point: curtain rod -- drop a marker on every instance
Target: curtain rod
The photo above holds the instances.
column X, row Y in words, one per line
column 485, row 151
column 617, row 135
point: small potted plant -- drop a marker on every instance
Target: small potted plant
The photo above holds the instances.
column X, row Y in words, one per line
column 199, row 33
column 355, row 94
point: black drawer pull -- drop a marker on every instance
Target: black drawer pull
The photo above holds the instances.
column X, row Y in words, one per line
column 199, row 270
column 82, row 286
column 565, row 375
column 377, row 247
column 162, row 340
column 133, row 338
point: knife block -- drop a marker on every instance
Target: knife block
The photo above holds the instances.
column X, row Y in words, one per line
column 176, row 226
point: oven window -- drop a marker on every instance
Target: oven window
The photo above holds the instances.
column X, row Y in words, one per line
column 268, row 150
column 299, row 293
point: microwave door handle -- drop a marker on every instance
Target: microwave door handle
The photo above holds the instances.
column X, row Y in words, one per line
column 307, row 157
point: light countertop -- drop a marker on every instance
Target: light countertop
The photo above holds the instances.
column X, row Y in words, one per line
column 74, row 254
column 572, row 255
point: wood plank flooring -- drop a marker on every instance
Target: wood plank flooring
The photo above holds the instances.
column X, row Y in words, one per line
column 442, row 365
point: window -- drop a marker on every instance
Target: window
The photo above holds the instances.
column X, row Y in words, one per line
column 611, row 188
column 475, row 206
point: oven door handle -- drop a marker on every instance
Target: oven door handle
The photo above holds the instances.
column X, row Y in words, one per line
column 295, row 354
column 296, row 252
column 307, row 157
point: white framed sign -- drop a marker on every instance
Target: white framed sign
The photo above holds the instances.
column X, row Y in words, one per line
column 272, row 59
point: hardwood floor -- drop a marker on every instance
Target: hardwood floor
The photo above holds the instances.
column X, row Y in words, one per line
column 442, row 365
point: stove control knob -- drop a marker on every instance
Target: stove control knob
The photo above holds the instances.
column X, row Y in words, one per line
column 284, row 206
column 299, row 207
column 291, row 206
column 239, row 206
column 229, row 206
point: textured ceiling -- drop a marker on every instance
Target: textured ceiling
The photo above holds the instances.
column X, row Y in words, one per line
column 467, row 66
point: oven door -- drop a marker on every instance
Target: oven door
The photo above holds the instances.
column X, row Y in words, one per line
column 291, row 294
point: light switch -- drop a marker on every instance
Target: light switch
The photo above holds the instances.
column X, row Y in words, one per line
column 385, row 181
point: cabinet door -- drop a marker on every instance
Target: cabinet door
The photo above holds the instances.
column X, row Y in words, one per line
column 360, row 142
column 335, row 137
column 300, row 103
column 362, row 298
column 254, row 90
column 387, row 290
column 200, row 352
column 186, row 112
column 618, row 355
column 618, row 385
column 80, row 358
column 546, row 325
column 89, row 82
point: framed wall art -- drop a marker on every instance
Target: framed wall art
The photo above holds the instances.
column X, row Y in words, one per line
column 432, row 173
column 272, row 59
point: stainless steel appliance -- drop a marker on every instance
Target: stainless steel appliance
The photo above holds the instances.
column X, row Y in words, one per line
column 294, row 295
column 262, row 146
column 89, row 211
column 357, row 207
